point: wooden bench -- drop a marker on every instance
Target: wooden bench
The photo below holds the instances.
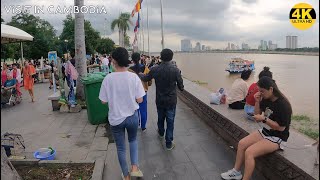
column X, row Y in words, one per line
column 55, row 100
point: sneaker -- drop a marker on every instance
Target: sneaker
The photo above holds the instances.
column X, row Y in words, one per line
column 232, row 174
column 172, row 146
column 144, row 129
column 136, row 173
column 160, row 136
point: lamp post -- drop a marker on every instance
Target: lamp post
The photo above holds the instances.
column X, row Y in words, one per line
column 66, row 43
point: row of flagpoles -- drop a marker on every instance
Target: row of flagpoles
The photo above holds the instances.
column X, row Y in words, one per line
column 135, row 10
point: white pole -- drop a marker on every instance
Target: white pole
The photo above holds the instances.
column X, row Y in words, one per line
column 142, row 32
column 148, row 28
column 21, row 54
column 162, row 40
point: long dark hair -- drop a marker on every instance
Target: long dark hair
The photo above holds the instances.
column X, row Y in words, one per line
column 266, row 82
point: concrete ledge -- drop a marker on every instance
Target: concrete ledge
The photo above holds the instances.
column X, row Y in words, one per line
column 24, row 161
column 55, row 101
column 98, row 170
column 232, row 125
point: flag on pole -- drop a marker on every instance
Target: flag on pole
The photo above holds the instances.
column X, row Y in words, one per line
column 136, row 8
column 137, row 24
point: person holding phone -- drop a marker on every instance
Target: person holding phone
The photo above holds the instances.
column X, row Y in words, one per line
column 273, row 109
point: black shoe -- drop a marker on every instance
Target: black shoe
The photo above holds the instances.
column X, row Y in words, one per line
column 171, row 147
column 144, row 129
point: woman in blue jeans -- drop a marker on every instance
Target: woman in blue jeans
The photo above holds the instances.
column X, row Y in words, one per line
column 123, row 90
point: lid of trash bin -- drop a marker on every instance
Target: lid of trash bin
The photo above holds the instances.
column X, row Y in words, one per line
column 92, row 78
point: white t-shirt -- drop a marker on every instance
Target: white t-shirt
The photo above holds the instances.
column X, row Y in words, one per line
column 105, row 61
column 120, row 90
column 238, row 92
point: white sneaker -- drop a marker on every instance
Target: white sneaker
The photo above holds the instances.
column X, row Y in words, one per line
column 232, row 174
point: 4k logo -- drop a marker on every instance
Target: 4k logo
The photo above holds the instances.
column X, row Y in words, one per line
column 302, row 16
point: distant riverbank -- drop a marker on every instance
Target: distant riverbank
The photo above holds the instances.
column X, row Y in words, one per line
column 258, row 52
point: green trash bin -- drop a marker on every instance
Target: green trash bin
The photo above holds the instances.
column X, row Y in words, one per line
column 97, row 112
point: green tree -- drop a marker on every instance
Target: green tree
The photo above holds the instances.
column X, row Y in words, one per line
column 42, row 31
column 122, row 23
column 2, row 20
column 105, row 46
column 126, row 41
column 91, row 35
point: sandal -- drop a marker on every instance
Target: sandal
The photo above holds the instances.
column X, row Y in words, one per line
column 136, row 173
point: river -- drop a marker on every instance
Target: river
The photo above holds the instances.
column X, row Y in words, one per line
column 297, row 76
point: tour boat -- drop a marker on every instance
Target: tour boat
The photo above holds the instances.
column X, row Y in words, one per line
column 237, row 65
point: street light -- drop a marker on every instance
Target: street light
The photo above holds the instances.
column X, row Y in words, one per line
column 66, row 42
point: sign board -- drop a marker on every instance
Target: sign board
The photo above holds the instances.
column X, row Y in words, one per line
column 52, row 56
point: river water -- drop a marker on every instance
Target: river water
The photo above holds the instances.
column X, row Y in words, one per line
column 296, row 76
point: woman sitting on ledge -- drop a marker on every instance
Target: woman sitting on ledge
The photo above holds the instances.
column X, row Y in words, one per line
column 273, row 109
column 239, row 89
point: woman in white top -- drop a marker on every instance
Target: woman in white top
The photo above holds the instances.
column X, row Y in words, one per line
column 123, row 90
column 238, row 92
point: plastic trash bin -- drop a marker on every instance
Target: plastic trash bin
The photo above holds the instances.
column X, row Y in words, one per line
column 97, row 112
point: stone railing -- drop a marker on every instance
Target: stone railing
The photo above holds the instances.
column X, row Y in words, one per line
column 232, row 126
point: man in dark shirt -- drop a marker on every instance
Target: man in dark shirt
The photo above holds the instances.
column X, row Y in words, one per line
column 167, row 78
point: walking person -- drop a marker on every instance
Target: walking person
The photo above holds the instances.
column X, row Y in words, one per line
column 140, row 68
column 167, row 78
column 105, row 64
column 123, row 90
column 29, row 73
column 274, row 110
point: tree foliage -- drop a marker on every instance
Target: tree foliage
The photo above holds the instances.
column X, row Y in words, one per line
column 42, row 31
column 105, row 46
column 91, row 35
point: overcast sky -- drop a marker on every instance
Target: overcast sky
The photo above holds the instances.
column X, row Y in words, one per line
column 210, row 22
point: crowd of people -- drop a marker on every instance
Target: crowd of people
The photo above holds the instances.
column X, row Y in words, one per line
column 125, row 90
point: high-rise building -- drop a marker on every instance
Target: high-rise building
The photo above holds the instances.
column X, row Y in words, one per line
column 291, row 42
column 233, row 47
column 186, row 45
column 269, row 44
column 203, row 48
column 198, row 47
column 229, row 47
column 245, row 46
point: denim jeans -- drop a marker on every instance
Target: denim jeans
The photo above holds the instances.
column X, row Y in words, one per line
column 143, row 112
column 118, row 132
column 106, row 69
column 166, row 114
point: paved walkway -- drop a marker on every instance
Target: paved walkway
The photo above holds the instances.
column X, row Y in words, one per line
column 70, row 134
column 200, row 154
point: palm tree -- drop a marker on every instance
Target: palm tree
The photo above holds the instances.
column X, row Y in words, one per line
column 80, row 49
column 123, row 25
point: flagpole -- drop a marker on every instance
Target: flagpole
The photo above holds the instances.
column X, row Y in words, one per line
column 162, row 38
column 148, row 28
column 142, row 32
